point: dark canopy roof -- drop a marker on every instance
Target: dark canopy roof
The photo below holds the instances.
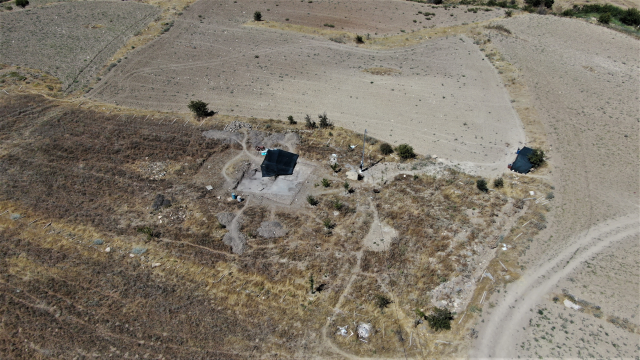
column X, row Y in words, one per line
column 278, row 162
column 522, row 164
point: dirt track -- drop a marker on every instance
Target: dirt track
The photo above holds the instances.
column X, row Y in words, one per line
column 512, row 313
column 448, row 100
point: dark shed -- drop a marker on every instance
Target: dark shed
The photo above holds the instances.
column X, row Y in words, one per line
column 278, row 162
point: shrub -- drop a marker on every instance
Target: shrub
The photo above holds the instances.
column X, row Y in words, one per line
column 631, row 17
column 386, row 149
column 567, row 13
column 536, row 158
column 335, row 167
column 382, row 302
column 326, row 183
column 440, row 319
column 346, row 186
column 328, row 224
column 405, row 151
column 604, row 18
column 359, row 39
column 257, row 16
column 548, row 3
column 291, row 121
column 22, row 3
column 312, row 201
column 324, row 121
column 200, row 108
column 309, row 123
column 337, row 204
column 550, row 195
column 481, row 184
column 508, row 13
column 499, row 182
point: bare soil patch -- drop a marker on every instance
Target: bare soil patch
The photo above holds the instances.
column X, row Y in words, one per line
column 73, row 40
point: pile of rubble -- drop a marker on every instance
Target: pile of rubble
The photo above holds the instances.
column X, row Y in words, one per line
column 236, row 125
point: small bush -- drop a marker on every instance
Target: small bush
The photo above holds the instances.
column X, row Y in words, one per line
column 309, row 123
column 481, row 184
column 337, row 204
column 508, row 13
column 200, row 108
column 382, row 302
column 291, row 121
column 325, row 183
column 346, row 186
column 550, row 195
column 324, row 121
column 22, row 3
column 386, row 149
column 312, row 201
column 359, row 39
column 604, row 18
column 498, row 183
column 335, row 167
column 405, row 151
column 536, row 158
column 328, row 224
column 567, row 12
column 440, row 319
column 257, row 16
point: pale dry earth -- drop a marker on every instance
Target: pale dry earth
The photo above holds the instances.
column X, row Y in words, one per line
column 584, row 82
column 72, row 40
column 447, row 99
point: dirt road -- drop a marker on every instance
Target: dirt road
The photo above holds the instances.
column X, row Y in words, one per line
column 498, row 336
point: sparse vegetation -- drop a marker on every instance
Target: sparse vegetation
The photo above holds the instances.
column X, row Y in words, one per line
column 386, row 149
column 200, row 108
column 604, row 18
column 312, row 200
column 291, row 120
column 405, row 151
column 257, row 16
column 440, row 319
column 324, row 121
column 359, row 39
column 498, row 183
column 328, row 224
column 536, row 158
column 382, row 302
column 325, row 183
column 481, row 184
column 309, row 124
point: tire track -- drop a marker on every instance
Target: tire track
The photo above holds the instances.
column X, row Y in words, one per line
column 498, row 336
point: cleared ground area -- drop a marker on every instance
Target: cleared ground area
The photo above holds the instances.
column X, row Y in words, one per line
column 73, row 40
column 584, row 81
column 445, row 98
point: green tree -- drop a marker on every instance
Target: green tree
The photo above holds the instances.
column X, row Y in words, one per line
column 257, row 16
column 310, row 124
column 405, row 151
column 382, row 302
column 359, row 39
column 386, row 149
column 325, row 183
column 536, row 158
column 324, row 121
column 312, row 201
column 440, row 319
column 291, row 121
column 200, row 108
column 22, row 3
column 481, row 184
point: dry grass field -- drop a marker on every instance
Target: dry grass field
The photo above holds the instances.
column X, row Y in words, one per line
column 84, row 250
column 73, row 40
column 119, row 237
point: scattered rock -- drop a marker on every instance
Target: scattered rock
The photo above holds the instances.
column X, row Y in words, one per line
column 98, row 242
column 138, row 250
column 107, row 249
column 571, row 305
column 160, row 201
column 15, row 217
column 236, row 125
column 154, row 265
column 271, row 229
column 364, row 330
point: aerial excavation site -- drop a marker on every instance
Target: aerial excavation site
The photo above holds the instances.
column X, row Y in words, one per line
column 319, row 179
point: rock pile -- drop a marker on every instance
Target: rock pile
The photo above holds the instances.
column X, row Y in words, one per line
column 236, row 126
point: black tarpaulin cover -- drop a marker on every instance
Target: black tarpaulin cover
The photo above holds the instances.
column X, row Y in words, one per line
column 522, row 164
column 278, row 162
